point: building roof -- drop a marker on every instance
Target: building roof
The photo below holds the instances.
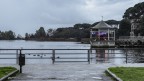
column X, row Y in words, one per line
column 102, row 25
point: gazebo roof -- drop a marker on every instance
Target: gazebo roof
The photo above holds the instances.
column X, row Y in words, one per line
column 102, row 25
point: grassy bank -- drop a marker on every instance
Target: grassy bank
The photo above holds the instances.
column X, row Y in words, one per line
column 6, row 70
column 129, row 73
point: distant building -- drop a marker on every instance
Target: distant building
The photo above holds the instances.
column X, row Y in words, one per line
column 102, row 34
column 135, row 24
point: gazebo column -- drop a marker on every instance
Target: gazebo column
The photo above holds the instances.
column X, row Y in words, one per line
column 114, row 35
column 91, row 34
column 98, row 36
column 108, row 34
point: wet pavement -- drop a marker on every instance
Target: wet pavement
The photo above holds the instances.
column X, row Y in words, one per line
column 67, row 72
column 63, row 72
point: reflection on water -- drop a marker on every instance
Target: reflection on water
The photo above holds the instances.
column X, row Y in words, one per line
column 103, row 55
column 135, row 55
column 109, row 56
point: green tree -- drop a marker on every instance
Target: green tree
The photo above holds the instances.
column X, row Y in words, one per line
column 7, row 35
column 110, row 22
column 136, row 13
column 40, row 33
column 11, row 35
column 27, row 36
column 83, row 26
column 142, row 26
column 124, row 28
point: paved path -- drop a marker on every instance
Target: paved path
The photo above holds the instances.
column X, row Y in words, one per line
column 67, row 72
column 64, row 72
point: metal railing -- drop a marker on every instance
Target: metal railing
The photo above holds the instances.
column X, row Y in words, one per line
column 56, row 55
column 128, row 55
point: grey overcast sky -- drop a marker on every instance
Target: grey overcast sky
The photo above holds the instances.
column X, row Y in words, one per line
column 23, row 16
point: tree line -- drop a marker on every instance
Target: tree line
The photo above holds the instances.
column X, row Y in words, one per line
column 7, row 35
column 77, row 32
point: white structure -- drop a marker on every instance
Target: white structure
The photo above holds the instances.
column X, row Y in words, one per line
column 102, row 35
column 135, row 25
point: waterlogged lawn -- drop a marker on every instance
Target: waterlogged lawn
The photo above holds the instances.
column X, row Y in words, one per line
column 129, row 73
column 6, row 70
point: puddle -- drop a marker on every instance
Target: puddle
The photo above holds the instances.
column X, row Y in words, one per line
column 97, row 78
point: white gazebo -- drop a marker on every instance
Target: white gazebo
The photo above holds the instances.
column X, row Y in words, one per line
column 102, row 34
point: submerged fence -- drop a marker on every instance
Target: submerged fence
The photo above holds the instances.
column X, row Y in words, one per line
column 122, row 55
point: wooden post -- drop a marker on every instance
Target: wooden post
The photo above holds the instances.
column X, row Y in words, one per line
column 17, row 57
column 89, row 56
column 126, row 56
column 19, row 62
column 53, row 56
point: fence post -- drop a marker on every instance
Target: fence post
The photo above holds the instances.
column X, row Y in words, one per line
column 53, row 56
column 88, row 56
column 126, row 56
column 19, row 61
column 17, row 57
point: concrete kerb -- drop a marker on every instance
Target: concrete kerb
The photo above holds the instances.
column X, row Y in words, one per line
column 9, row 75
column 113, row 75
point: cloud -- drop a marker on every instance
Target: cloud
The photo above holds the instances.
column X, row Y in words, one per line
column 23, row 16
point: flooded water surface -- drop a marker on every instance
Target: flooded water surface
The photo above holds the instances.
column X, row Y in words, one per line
column 65, row 52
